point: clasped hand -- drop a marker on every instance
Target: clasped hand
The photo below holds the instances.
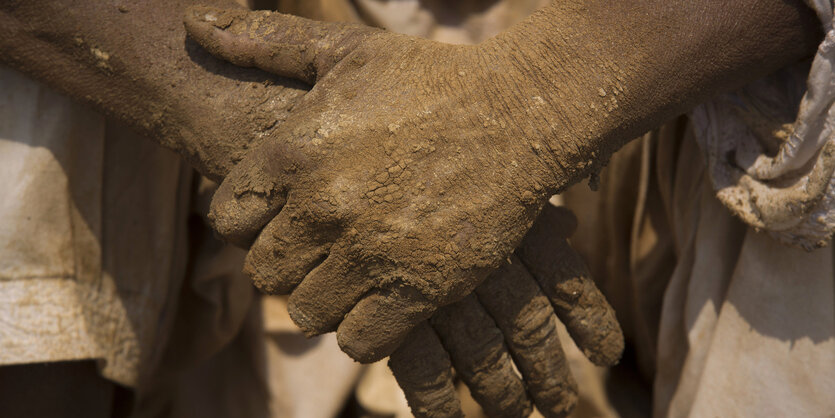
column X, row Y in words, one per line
column 397, row 185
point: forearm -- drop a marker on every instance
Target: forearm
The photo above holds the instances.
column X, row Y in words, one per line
column 133, row 62
column 606, row 72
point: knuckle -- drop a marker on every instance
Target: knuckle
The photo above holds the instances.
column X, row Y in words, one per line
column 259, row 280
column 558, row 397
column 535, row 325
column 259, row 267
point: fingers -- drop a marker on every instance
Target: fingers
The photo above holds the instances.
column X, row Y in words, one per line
column 480, row 357
column 564, row 278
column 286, row 45
column 283, row 254
column 329, row 292
column 528, row 323
column 423, row 370
column 253, row 193
column 380, row 321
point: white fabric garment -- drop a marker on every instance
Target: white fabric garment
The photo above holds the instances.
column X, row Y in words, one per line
column 747, row 326
column 78, row 233
column 770, row 147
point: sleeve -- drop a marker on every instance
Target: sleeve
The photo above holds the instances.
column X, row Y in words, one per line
column 770, row 147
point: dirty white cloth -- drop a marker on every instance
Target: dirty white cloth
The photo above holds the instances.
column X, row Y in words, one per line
column 705, row 259
column 96, row 251
column 99, row 260
column 88, row 243
column 748, row 318
column 747, row 324
column 770, row 147
column 723, row 320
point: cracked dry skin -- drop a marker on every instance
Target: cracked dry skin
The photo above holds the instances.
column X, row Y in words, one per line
column 413, row 168
column 210, row 112
column 509, row 324
column 529, row 124
column 343, row 190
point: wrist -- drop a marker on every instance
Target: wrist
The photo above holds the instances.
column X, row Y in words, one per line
column 565, row 109
column 609, row 71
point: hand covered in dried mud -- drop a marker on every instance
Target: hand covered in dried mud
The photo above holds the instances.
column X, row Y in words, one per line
column 395, row 185
column 511, row 320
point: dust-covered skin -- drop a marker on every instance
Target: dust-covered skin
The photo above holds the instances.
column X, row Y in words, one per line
column 561, row 91
column 511, row 320
column 344, row 193
column 480, row 357
column 158, row 103
column 423, row 370
column 126, row 88
column 564, row 279
column 413, row 168
column 132, row 61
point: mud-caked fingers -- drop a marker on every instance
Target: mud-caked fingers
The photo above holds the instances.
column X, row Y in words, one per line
column 283, row 254
column 253, row 192
column 564, row 278
column 481, row 358
column 319, row 303
column 380, row 321
column 529, row 325
column 424, row 372
column 283, row 44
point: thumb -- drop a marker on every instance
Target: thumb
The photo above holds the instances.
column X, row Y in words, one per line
column 286, row 45
column 253, row 192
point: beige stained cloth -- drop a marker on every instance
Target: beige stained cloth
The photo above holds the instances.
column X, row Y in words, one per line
column 460, row 22
column 724, row 320
column 747, row 325
column 102, row 258
column 690, row 237
column 91, row 249
column 770, row 149
column 748, row 318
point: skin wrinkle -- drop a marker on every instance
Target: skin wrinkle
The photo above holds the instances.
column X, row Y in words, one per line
column 526, row 320
column 522, row 313
column 646, row 50
column 480, row 357
column 423, row 369
column 564, row 278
